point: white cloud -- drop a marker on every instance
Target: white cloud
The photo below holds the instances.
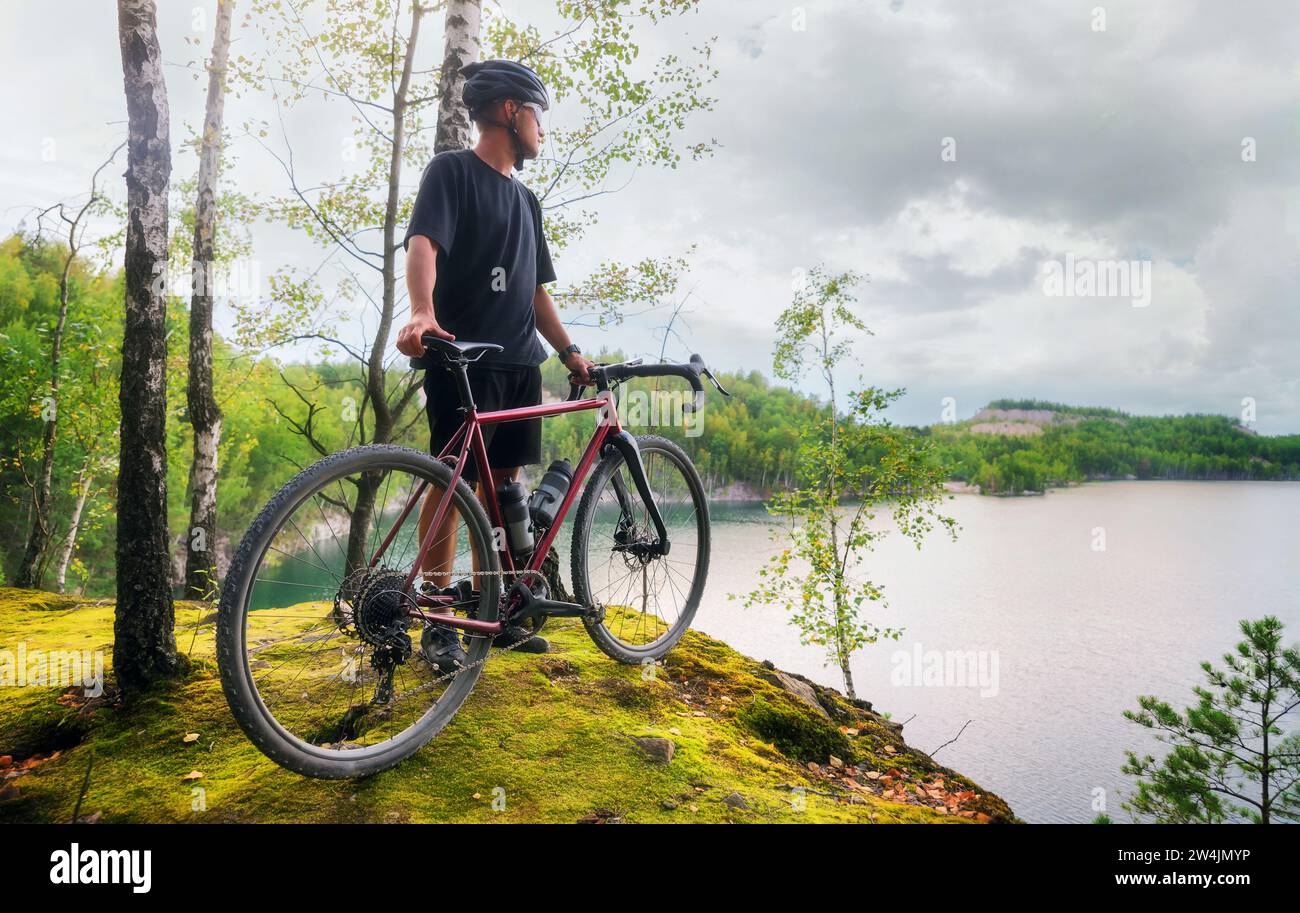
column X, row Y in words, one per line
column 1123, row 144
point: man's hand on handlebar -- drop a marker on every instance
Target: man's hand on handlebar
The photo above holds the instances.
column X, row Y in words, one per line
column 579, row 368
column 613, row 374
column 408, row 337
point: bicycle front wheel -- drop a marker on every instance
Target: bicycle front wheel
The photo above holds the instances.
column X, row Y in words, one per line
column 321, row 653
column 649, row 601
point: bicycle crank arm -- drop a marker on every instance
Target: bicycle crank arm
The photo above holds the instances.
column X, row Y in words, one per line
column 553, row 609
column 537, row 607
column 533, row 606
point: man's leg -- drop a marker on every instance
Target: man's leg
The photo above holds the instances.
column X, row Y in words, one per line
column 442, row 403
column 442, row 553
column 440, row 645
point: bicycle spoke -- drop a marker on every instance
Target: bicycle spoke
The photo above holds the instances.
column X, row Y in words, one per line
column 648, row 599
column 335, row 658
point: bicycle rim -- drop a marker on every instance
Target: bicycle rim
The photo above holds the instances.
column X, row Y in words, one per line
column 326, row 666
column 648, row 602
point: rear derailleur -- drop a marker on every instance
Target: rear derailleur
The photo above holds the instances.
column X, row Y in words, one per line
column 373, row 606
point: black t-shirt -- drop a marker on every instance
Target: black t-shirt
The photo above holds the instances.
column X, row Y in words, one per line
column 492, row 254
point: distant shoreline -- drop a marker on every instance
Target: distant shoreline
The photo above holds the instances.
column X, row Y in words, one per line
column 958, row 487
column 954, row 486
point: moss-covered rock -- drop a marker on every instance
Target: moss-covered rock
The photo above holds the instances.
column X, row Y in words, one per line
column 550, row 738
column 794, row 731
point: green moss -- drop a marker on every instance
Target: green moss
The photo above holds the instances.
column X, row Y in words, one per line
column 796, row 732
column 548, row 738
column 40, row 601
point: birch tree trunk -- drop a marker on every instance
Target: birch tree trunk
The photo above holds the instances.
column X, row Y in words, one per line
column 460, row 47
column 84, row 482
column 144, row 644
column 205, row 414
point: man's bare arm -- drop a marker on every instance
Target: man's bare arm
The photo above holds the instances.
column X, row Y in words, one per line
column 547, row 318
column 421, row 273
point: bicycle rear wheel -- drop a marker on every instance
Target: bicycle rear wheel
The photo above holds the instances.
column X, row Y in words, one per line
column 648, row 601
column 319, row 655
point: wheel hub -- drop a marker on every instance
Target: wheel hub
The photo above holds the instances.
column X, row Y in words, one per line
column 379, row 612
column 635, row 545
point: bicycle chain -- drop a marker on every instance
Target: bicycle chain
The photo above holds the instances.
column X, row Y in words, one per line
column 493, row 651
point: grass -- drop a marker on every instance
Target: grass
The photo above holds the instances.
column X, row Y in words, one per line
column 542, row 739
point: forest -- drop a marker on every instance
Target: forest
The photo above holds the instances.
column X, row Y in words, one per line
column 1080, row 444
column 269, row 407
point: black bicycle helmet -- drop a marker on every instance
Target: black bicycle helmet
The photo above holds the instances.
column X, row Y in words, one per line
column 488, row 81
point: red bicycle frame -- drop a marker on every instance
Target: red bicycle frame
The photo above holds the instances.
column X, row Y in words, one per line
column 469, row 439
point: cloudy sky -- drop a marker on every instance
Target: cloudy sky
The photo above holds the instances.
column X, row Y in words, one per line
column 949, row 150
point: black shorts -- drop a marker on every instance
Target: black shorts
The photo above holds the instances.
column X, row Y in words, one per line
column 509, row 444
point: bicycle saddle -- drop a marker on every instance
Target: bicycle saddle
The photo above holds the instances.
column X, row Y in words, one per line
column 453, row 349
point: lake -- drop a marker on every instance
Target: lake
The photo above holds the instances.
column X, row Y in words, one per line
column 1079, row 601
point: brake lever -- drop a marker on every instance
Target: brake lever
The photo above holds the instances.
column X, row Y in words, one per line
column 709, row 374
column 576, row 388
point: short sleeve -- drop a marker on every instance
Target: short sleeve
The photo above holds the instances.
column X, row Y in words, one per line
column 436, row 204
column 545, row 270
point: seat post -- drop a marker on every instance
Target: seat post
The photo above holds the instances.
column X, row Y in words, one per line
column 455, row 356
column 459, row 367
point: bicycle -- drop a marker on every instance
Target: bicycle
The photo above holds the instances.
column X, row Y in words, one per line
column 335, row 686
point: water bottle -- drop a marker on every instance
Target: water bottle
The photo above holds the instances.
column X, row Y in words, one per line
column 514, row 511
column 545, row 501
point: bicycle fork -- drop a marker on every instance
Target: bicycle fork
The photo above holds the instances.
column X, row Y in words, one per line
column 626, row 444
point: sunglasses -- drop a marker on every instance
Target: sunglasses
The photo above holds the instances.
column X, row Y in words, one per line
column 535, row 108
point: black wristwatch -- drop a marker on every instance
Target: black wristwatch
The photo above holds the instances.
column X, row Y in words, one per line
column 567, row 351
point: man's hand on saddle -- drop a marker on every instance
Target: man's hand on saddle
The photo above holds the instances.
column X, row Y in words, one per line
column 408, row 337
column 579, row 366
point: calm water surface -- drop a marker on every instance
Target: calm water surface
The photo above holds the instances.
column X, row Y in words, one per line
column 1077, row 633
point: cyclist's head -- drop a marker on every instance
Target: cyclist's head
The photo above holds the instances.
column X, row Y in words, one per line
column 510, row 96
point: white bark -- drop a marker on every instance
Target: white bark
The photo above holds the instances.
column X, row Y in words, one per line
column 204, row 413
column 74, row 526
column 460, row 47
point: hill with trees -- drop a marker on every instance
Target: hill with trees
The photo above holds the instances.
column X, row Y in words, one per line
column 1022, row 446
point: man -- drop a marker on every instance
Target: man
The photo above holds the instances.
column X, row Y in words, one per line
column 476, row 268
